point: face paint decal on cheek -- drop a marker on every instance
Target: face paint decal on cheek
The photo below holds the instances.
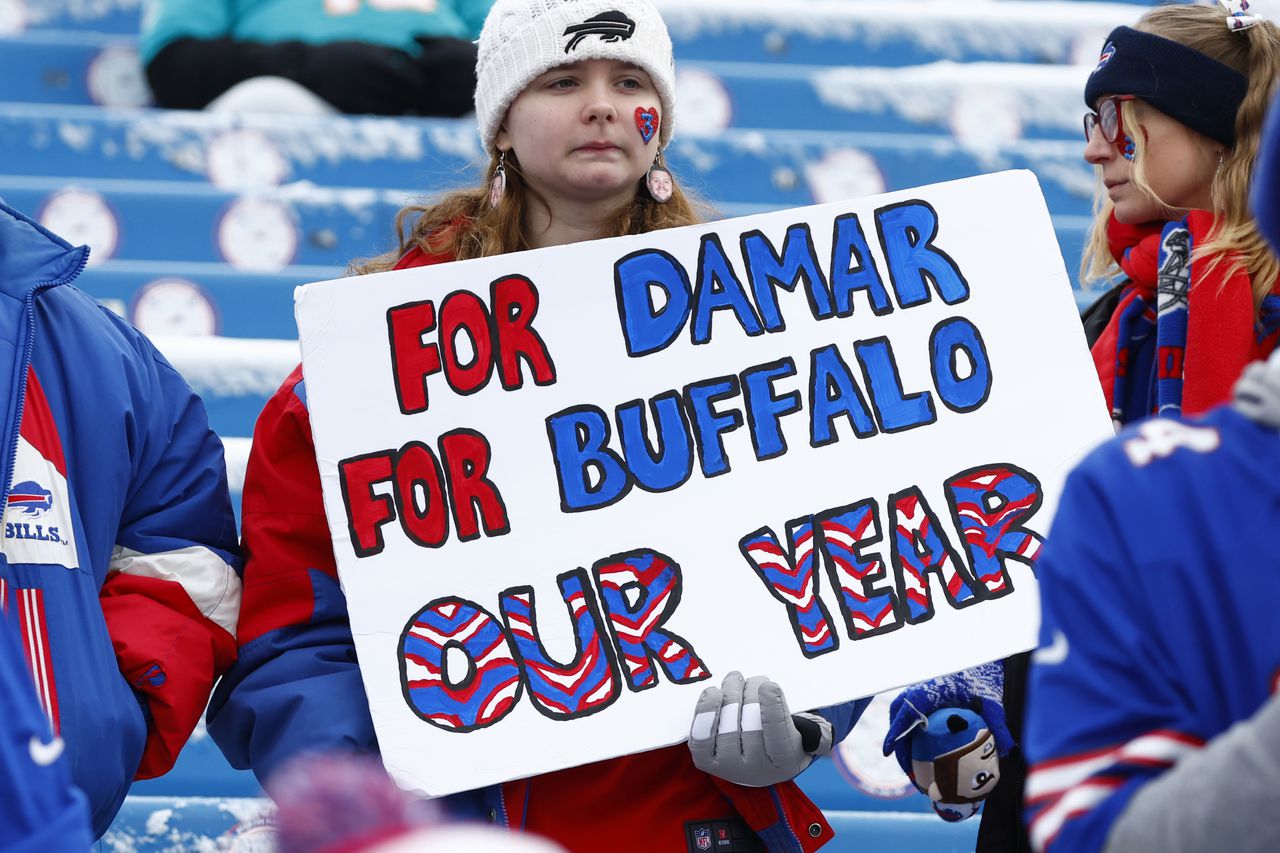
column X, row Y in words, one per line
column 647, row 122
column 1129, row 148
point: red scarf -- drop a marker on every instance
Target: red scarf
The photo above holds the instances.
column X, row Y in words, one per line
column 1222, row 334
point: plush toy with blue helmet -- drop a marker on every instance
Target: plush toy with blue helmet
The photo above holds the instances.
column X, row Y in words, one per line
column 948, row 734
column 954, row 762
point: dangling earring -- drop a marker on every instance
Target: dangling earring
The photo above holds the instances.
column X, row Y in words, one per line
column 498, row 187
column 658, row 181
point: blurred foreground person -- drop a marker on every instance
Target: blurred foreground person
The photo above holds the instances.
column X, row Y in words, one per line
column 344, row 802
column 1153, row 722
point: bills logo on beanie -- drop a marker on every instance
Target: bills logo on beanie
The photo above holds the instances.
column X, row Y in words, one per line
column 523, row 39
column 1107, row 52
column 610, row 26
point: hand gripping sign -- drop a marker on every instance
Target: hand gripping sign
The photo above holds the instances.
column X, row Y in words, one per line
column 568, row 486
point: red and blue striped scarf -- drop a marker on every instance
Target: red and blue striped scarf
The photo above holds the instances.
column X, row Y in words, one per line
column 1181, row 333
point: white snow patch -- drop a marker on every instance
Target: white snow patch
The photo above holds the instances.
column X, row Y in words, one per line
column 184, row 139
column 1046, row 96
column 998, row 28
column 1076, row 178
column 118, row 842
column 230, row 367
column 77, row 10
column 360, row 203
column 701, row 159
column 75, row 136
column 752, row 141
column 844, row 173
column 13, row 17
column 158, row 821
column 246, row 809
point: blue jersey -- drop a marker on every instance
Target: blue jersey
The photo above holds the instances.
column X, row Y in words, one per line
column 1158, row 583
column 39, row 810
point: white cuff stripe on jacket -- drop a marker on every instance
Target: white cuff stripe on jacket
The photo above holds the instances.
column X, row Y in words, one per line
column 211, row 584
column 1157, row 748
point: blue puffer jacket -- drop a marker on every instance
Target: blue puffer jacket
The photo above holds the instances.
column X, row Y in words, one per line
column 118, row 557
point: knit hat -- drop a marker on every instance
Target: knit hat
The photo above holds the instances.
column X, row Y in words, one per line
column 1180, row 81
column 523, row 39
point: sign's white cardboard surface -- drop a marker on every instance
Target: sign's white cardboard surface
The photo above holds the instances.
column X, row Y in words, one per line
column 1003, row 369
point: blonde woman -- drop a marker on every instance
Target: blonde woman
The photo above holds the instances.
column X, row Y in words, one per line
column 1178, row 106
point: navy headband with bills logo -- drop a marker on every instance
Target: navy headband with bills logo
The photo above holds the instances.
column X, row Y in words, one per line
column 1180, row 81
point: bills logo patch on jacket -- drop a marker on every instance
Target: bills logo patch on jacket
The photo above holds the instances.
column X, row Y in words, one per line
column 37, row 514
column 33, row 499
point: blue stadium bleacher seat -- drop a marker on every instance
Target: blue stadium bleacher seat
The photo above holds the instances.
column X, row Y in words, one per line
column 157, row 221
column 782, row 168
column 72, row 67
column 980, row 104
column 889, row 33
column 73, row 141
column 169, row 297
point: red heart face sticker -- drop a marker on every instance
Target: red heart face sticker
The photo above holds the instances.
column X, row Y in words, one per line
column 647, row 122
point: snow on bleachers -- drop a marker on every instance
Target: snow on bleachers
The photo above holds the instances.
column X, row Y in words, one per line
column 169, row 298
column 103, row 16
column 891, row 32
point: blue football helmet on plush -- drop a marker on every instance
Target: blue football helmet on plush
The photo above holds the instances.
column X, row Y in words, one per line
column 954, row 762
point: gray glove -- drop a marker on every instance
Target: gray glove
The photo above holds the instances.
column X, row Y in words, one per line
column 1257, row 394
column 743, row 732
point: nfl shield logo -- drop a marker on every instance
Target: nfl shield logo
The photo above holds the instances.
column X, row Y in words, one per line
column 702, row 837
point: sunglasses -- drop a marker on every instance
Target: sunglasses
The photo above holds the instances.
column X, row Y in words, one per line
column 1107, row 119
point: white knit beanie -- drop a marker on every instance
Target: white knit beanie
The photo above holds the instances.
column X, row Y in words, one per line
column 523, row 39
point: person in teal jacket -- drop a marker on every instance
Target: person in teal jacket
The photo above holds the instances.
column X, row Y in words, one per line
column 388, row 57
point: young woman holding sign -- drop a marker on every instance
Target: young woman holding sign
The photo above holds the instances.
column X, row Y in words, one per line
column 574, row 102
column 1177, row 107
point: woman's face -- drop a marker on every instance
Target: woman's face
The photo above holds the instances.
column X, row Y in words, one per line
column 575, row 132
column 1178, row 163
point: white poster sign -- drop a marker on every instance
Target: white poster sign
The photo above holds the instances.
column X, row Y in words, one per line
column 570, row 488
